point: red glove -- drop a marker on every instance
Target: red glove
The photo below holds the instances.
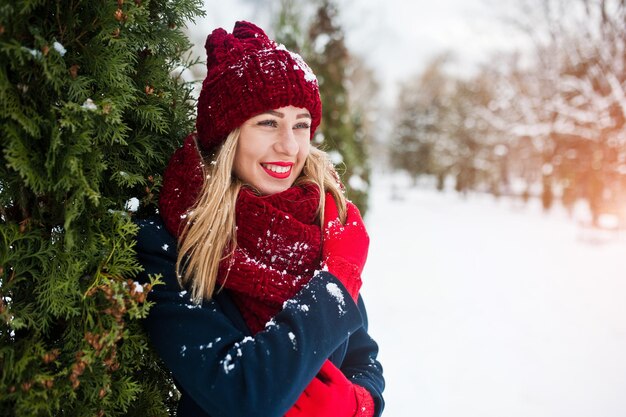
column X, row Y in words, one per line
column 331, row 394
column 344, row 250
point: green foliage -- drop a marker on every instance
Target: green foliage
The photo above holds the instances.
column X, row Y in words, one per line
column 288, row 25
column 92, row 104
column 329, row 59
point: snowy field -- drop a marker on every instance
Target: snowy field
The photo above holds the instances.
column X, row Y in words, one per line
column 485, row 307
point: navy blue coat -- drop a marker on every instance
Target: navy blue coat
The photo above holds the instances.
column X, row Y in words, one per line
column 222, row 370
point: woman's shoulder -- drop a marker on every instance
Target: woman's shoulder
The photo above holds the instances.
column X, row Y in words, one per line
column 157, row 251
column 153, row 237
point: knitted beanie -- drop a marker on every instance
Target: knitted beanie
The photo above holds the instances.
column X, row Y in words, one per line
column 248, row 74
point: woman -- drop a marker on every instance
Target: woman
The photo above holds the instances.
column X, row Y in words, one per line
column 260, row 313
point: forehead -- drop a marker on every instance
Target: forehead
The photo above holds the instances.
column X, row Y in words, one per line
column 287, row 111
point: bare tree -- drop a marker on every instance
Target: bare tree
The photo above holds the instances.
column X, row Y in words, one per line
column 571, row 101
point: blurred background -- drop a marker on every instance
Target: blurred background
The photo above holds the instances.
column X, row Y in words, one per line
column 485, row 143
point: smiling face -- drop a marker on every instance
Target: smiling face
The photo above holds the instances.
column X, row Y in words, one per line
column 272, row 149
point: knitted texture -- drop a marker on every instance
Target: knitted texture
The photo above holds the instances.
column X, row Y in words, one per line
column 278, row 250
column 182, row 182
column 331, row 393
column 365, row 402
column 248, row 74
column 345, row 245
column 347, row 272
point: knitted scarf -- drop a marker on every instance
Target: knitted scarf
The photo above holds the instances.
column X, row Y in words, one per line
column 278, row 249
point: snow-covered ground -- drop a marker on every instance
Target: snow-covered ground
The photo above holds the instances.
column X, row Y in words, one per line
column 485, row 307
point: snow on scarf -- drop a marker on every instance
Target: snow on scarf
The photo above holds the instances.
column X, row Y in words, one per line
column 278, row 249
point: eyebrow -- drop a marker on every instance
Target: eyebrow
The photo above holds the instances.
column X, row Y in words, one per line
column 282, row 115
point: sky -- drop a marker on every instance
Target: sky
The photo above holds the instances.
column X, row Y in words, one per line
column 396, row 38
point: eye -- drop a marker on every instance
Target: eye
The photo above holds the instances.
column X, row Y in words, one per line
column 302, row 125
column 268, row 122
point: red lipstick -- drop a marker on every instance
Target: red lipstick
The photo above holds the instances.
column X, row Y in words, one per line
column 279, row 170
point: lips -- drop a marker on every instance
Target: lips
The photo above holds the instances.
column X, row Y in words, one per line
column 279, row 170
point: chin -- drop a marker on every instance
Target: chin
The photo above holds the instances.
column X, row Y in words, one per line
column 273, row 189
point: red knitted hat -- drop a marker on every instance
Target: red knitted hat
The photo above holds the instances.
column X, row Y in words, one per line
column 247, row 74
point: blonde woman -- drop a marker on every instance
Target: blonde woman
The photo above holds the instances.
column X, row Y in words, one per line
column 260, row 252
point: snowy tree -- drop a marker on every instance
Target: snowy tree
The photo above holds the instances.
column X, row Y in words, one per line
column 92, row 106
column 420, row 123
column 518, row 114
column 330, row 59
column 571, row 101
column 437, row 132
column 288, row 26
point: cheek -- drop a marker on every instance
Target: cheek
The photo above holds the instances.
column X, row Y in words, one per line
column 241, row 162
column 305, row 148
column 303, row 154
column 237, row 168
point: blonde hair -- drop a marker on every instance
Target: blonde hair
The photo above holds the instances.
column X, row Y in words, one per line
column 210, row 228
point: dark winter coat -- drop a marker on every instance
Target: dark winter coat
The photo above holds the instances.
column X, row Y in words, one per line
column 223, row 371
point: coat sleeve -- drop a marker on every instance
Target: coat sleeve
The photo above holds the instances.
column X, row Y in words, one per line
column 360, row 364
column 224, row 370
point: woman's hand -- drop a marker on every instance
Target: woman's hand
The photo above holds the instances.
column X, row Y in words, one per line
column 332, row 394
column 345, row 246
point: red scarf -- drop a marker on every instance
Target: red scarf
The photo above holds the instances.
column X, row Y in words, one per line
column 278, row 249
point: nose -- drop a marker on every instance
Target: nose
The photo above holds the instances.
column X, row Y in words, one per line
column 286, row 143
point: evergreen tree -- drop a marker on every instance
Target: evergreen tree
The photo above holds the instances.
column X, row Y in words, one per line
column 329, row 59
column 90, row 109
column 288, row 26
